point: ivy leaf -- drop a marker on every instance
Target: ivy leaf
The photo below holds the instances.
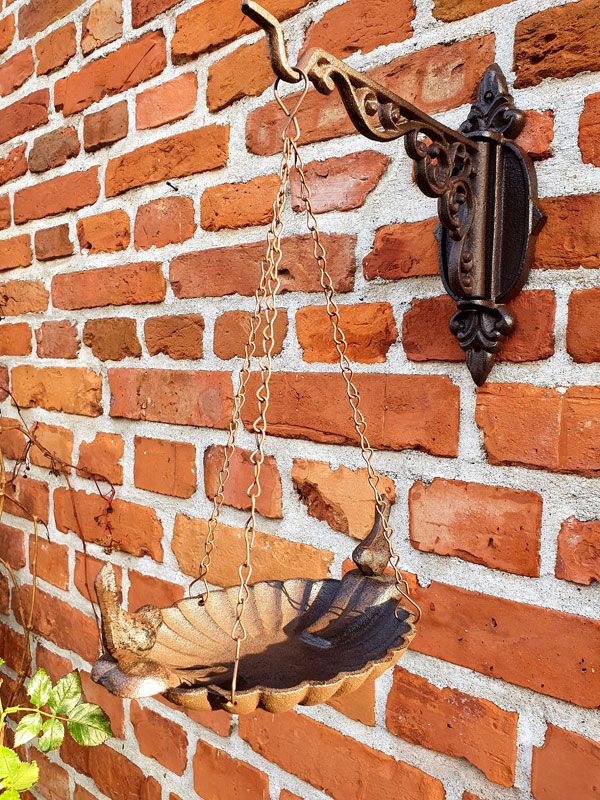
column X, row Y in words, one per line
column 66, row 694
column 89, row 725
column 52, row 736
column 28, row 728
column 9, row 761
column 39, row 688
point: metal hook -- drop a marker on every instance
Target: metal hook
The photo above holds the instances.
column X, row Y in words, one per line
column 270, row 24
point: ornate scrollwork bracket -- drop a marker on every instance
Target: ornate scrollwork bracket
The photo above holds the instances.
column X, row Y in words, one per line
column 484, row 183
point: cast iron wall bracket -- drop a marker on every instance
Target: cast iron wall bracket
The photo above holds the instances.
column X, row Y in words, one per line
column 485, row 185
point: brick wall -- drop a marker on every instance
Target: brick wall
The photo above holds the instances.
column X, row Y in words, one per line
column 137, row 168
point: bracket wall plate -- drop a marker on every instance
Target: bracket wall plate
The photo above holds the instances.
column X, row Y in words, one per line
column 484, row 182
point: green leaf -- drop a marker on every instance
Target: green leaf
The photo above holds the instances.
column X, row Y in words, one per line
column 39, row 688
column 53, row 734
column 89, row 725
column 9, row 761
column 66, row 694
column 27, row 776
column 15, row 775
column 28, row 728
column 10, row 794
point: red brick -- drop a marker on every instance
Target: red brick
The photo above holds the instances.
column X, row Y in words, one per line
column 435, row 79
column 130, row 65
column 490, row 525
column 5, row 212
column 239, row 205
column 566, row 765
column 15, row 71
column 358, row 705
column 179, row 337
column 160, row 738
column 332, row 762
column 407, row 250
column 61, row 623
column 113, row 774
column 217, row 721
column 130, row 284
column 111, row 705
column 69, row 389
column 102, row 457
column 22, row 297
column 174, row 157
column 241, row 475
column 103, row 24
column 144, row 10
column 12, row 646
column 571, row 237
column 104, row 233
column 12, row 438
column 165, row 467
column 362, row 25
column 178, row 397
column 557, row 42
column 168, row 220
column 583, row 329
column 24, row 115
column 105, row 127
column 145, row 590
column 340, row 184
column 369, row 328
column 12, row 546
column 4, row 595
column 15, row 340
column 53, row 243
column 112, row 338
column 53, row 149
column 450, row 10
column 236, row 270
column 52, row 562
column 15, row 252
column 218, row 776
column 82, row 794
column 37, row 15
column 56, row 196
column 273, row 558
column 26, row 498
column 217, row 22
column 402, row 411
column 56, row 49
column 578, row 556
column 549, row 651
column 470, row 796
column 54, row 780
column 7, row 32
column 537, row 134
column 244, row 73
column 454, row 723
column 55, row 446
column 127, row 527
column 589, row 130
column 168, row 102
column 57, row 339
column 86, row 571
column 14, row 165
column 56, row 666
column 232, row 330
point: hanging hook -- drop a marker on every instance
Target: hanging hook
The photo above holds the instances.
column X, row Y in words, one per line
column 270, row 24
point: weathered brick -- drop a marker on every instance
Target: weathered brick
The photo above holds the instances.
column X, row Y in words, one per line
column 5, row 212
column 340, row 497
column 537, row 134
column 403, row 411
column 571, row 237
column 24, row 115
column 52, row 561
column 358, row 705
column 27, row 498
column 57, row 195
column 239, row 205
column 457, row 72
column 130, row 284
column 490, row 525
column 130, row 65
column 15, row 252
column 332, row 762
column 232, row 330
column 168, row 102
column 86, row 571
column 557, row 42
column 174, row 157
column 37, row 15
column 173, row 396
column 53, row 243
column 112, row 338
column 102, row 457
column 56, row 49
column 340, row 184
column 407, row 250
column 70, row 389
column 145, row 590
column 454, row 723
column 103, row 128
column 221, row 271
column 104, row 233
column 160, row 738
column 566, row 765
column 53, row 149
column 14, row 165
column 168, row 220
column 103, row 24
column 273, row 558
column 583, row 328
column 144, row 10
column 179, row 337
column 57, row 444
column 369, row 328
column 12, row 545
column 241, row 475
column 7, row 32
column 218, row 776
column 450, row 10
column 165, row 467
column 578, row 556
column 57, row 339
column 15, row 71
column 15, row 340
column 128, row 527
column 244, row 73
column 589, row 130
